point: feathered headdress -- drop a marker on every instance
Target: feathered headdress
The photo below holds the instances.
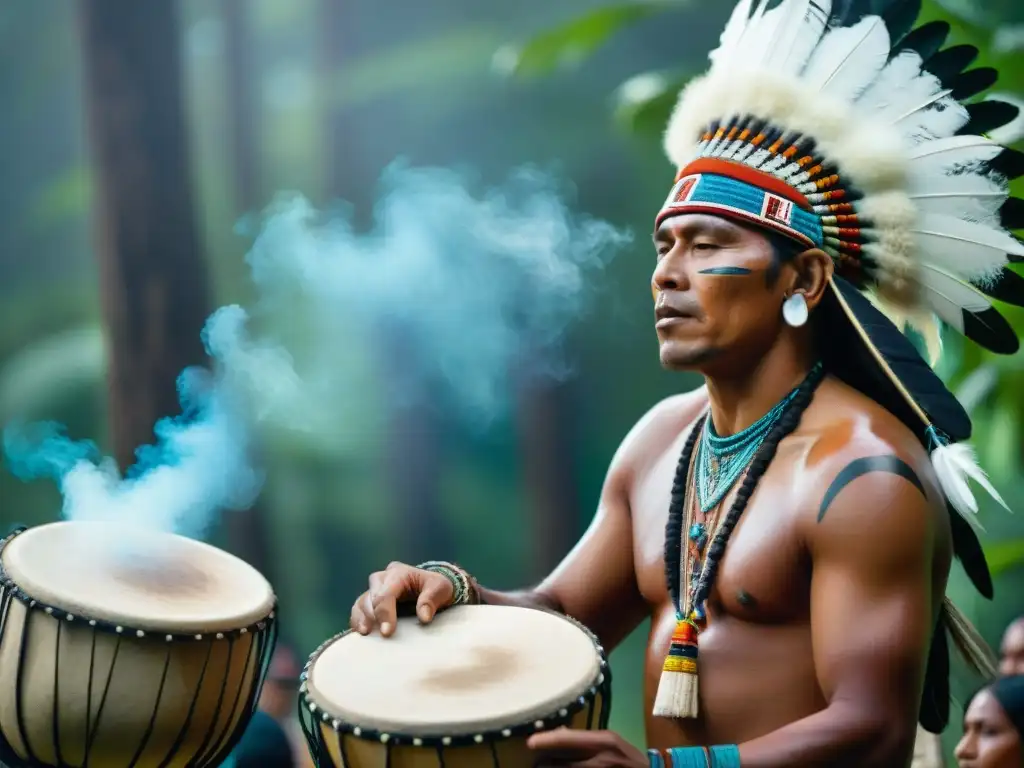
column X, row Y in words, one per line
column 836, row 125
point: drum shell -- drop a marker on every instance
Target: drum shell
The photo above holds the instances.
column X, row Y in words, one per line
column 182, row 702
column 344, row 750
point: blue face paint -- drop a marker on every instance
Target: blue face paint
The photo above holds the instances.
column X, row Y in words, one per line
column 725, row 271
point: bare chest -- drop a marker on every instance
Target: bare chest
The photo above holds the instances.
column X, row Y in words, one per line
column 764, row 575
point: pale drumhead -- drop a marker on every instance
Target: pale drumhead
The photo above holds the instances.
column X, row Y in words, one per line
column 473, row 668
column 139, row 579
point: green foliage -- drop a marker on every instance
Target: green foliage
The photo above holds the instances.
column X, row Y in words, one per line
column 644, row 102
column 990, row 14
column 456, row 54
column 68, row 195
column 574, row 42
column 1005, row 556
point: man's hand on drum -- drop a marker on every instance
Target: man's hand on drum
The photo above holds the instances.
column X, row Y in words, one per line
column 399, row 583
column 585, row 749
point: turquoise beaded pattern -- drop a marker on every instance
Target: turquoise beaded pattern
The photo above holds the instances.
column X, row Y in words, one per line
column 464, row 592
column 721, row 460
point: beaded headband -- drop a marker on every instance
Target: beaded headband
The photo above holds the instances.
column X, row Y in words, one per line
column 729, row 189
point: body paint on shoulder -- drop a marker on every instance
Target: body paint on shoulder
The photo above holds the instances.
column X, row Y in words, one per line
column 858, row 467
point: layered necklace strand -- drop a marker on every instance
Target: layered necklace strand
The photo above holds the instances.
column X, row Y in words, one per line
column 695, row 519
column 701, row 527
column 721, row 460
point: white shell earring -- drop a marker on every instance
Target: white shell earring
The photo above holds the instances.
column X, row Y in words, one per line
column 794, row 310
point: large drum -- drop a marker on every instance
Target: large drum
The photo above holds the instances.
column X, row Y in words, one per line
column 465, row 690
column 121, row 650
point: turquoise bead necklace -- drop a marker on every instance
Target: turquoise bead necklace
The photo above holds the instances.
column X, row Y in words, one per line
column 721, row 460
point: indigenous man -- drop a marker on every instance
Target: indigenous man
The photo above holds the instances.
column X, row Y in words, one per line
column 797, row 516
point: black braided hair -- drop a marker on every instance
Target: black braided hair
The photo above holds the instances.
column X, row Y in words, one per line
column 676, row 509
column 789, row 422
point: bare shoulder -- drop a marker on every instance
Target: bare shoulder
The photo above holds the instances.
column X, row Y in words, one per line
column 866, row 472
column 659, row 429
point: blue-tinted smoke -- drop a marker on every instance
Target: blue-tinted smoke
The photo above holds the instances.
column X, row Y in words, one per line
column 459, row 294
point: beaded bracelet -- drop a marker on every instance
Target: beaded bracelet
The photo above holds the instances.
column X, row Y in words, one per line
column 727, row 756
column 462, row 583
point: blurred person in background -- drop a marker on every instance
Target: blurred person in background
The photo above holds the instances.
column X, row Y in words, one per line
column 263, row 745
column 1011, row 650
column 994, row 726
column 279, row 700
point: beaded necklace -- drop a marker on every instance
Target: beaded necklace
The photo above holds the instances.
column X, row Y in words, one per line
column 677, row 690
column 721, row 460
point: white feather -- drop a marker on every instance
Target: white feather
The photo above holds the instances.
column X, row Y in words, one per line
column 967, row 196
column 751, row 29
column 954, row 152
column 848, row 59
column 723, row 55
column 953, row 465
column 802, row 28
column 913, row 100
column 949, row 297
column 971, row 251
column 761, row 36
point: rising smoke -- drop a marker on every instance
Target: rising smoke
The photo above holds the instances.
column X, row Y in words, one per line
column 459, row 291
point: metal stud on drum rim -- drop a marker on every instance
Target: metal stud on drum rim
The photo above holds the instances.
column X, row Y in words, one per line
column 327, row 730
column 100, row 662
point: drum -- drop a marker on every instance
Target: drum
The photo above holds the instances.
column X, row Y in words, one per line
column 121, row 650
column 464, row 691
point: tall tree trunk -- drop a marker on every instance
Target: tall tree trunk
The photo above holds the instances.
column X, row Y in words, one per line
column 338, row 140
column 247, row 530
column 413, row 453
column 153, row 277
column 546, row 440
column 243, row 112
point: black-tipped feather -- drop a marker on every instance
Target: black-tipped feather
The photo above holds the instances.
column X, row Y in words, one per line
column 991, row 330
column 1011, row 215
column 987, row 116
column 1009, row 164
column 949, row 63
column 971, row 83
column 926, row 40
column 853, row 363
column 968, row 551
column 1008, row 288
column 934, row 712
column 899, row 17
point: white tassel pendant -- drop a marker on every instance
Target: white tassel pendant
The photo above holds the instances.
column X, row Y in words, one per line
column 953, row 465
column 677, row 689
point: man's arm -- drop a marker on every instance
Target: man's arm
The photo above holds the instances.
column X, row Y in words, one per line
column 872, row 544
column 596, row 582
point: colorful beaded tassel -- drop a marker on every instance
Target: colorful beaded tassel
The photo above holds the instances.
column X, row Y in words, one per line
column 677, row 689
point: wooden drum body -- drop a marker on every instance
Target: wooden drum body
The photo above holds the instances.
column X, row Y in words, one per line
column 116, row 658
column 464, row 691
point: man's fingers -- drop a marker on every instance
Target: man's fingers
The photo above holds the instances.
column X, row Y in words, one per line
column 565, row 742
column 385, row 600
column 362, row 619
column 435, row 593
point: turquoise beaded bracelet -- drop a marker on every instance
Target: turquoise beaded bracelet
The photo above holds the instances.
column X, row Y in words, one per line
column 464, row 591
column 726, row 756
